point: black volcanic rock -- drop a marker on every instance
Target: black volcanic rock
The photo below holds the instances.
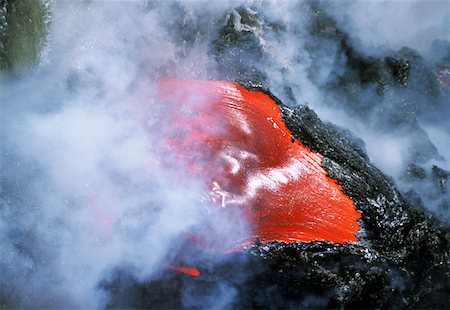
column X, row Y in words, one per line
column 237, row 49
column 401, row 260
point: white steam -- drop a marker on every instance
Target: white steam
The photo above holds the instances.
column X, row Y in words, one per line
column 309, row 63
column 381, row 25
column 83, row 191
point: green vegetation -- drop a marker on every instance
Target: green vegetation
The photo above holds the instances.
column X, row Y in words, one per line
column 22, row 33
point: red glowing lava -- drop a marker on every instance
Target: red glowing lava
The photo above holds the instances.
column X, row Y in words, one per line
column 236, row 140
column 190, row 271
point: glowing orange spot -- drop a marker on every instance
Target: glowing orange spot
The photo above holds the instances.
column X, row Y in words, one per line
column 190, row 271
column 238, row 143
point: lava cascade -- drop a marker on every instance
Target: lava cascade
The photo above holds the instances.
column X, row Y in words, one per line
column 235, row 140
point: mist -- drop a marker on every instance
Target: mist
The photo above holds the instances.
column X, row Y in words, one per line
column 341, row 60
column 83, row 188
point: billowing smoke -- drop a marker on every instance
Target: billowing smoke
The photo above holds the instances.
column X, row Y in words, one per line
column 377, row 68
column 83, row 190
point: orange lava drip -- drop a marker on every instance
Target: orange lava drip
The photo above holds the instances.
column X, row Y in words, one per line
column 190, row 271
column 236, row 140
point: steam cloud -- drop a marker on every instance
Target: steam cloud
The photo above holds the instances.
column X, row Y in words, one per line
column 82, row 190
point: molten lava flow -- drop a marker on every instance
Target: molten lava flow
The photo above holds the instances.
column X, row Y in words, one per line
column 236, row 141
column 190, row 271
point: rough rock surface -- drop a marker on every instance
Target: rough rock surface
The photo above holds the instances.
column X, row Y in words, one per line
column 401, row 260
column 393, row 93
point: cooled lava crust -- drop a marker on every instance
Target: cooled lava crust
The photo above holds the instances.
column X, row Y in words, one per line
column 399, row 260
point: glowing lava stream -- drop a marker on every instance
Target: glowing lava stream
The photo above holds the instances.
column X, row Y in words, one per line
column 194, row 272
column 235, row 139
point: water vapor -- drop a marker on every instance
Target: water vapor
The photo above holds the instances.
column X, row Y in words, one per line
column 83, row 189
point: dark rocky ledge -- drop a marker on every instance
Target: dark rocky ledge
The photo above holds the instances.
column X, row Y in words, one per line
column 401, row 260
